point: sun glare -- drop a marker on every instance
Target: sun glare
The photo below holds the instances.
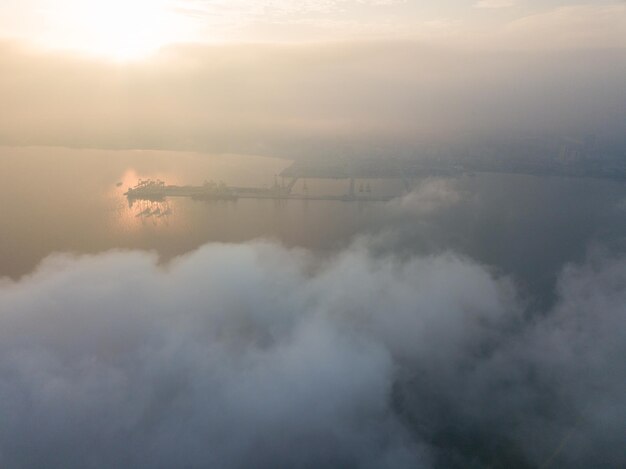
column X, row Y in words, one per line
column 117, row 29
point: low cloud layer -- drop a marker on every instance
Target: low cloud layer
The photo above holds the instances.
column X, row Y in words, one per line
column 255, row 355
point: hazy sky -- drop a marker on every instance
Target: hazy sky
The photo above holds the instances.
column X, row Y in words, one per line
column 332, row 99
column 134, row 28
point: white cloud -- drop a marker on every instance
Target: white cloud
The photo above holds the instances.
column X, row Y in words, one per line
column 255, row 355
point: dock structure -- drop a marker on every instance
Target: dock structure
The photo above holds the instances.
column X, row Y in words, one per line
column 150, row 189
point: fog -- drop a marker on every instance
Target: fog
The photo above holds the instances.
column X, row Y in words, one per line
column 362, row 98
column 256, row 355
column 476, row 320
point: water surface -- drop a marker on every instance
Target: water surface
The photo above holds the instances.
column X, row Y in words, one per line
column 71, row 200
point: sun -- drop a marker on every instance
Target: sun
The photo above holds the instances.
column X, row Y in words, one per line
column 117, row 29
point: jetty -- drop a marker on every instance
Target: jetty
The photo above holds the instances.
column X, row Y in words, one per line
column 156, row 189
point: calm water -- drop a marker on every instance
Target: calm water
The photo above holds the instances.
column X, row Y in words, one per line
column 71, row 200
column 57, row 199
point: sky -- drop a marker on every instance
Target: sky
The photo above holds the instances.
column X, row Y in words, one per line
column 131, row 29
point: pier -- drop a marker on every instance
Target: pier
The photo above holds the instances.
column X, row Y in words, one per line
column 150, row 189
